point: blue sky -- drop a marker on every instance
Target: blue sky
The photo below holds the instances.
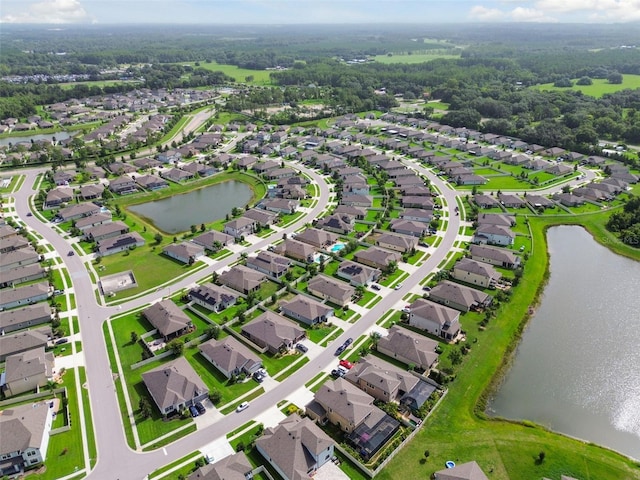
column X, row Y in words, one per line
column 317, row 11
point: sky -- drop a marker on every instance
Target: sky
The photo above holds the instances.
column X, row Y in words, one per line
column 317, row 11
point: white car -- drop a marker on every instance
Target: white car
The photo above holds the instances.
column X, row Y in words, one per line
column 242, row 406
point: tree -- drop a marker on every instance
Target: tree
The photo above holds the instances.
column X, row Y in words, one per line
column 176, row 346
column 215, row 396
column 615, row 78
column 214, row 277
column 144, row 407
column 134, row 337
column 212, row 331
column 203, row 227
column 157, row 238
column 193, row 228
column 584, row 81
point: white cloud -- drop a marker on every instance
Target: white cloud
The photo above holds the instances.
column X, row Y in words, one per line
column 605, row 7
column 485, row 14
column 521, row 14
column 518, row 14
column 50, row 11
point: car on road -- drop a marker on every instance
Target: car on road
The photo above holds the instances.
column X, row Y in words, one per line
column 398, row 286
column 346, row 364
column 242, row 406
column 200, row 408
column 340, row 349
column 302, row 348
column 375, row 286
column 194, row 411
column 61, row 341
column 348, row 341
column 70, row 253
column 29, row 214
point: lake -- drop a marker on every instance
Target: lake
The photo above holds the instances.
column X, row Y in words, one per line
column 45, row 136
column 577, row 368
column 205, row 205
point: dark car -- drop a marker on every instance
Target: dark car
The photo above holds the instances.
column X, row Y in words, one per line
column 200, row 408
column 375, row 286
column 348, row 341
column 426, row 289
column 70, row 253
column 301, row 348
column 61, row 341
column 335, row 373
column 340, row 349
column 29, row 214
column 258, row 377
column 194, row 411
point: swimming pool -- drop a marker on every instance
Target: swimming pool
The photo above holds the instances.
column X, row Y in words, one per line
column 337, row 246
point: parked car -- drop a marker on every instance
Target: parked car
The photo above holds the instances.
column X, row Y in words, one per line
column 335, row 373
column 301, row 348
column 342, row 371
column 346, row 364
column 194, row 411
column 398, row 286
column 340, row 349
column 375, row 286
column 242, row 406
column 70, row 253
column 406, row 309
column 58, row 292
column 258, row 377
column 61, row 341
column 426, row 289
column 200, row 408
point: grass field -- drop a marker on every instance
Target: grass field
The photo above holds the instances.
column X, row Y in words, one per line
column 413, row 57
column 98, row 83
column 260, row 77
column 599, row 87
column 460, row 431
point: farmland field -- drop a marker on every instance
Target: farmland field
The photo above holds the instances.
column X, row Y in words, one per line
column 599, row 87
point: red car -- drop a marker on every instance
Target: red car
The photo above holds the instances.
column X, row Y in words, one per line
column 346, row 364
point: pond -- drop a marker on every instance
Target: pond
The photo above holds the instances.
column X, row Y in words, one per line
column 577, row 368
column 27, row 139
column 204, row 205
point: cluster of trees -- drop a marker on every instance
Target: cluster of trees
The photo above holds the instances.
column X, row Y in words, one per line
column 627, row 222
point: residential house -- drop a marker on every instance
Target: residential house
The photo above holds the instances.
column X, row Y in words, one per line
column 409, row 348
column 14, row 343
column 493, row 235
column 26, row 295
column 342, row 224
column 355, row 200
column 184, row 252
column 397, row 242
column 411, row 201
column 63, row 177
column 18, row 275
column 462, row 471
column 73, row 212
column 127, row 241
column 296, row 448
column 380, row 379
column 569, row 199
column 123, row 185
column 330, row 289
column 240, row 227
column 459, row 296
column 177, row 175
column 500, row 219
column 27, row 371
column 476, row 273
column 213, row 240
column 306, row 310
column 538, row 201
column 25, row 436
column 91, row 192
column 269, row 263
column 105, row 230
column 152, row 182
column 264, row 167
column 242, row 279
column 357, row 274
column 230, row 356
column 408, row 227
column 261, row 217
column 166, row 317
column 147, row 163
column 12, row 243
column 120, row 168
column 58, row 196
column 170, row 156
column 436, row 319
column 273, row 332
column 278, row 173
column 417, row 215
column 500, row 257
column 200, row 169
column 511, row 201
column 280, row 205
column 377, row 257
column 85, row 223
column 246, row 162
column 231, row 467
column 212, row 297
column 290, row 247
column 316, row 237
column 174, row 386
column 355, row 212
column 18, row 258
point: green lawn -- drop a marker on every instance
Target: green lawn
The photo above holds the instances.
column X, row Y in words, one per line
column 389, row 279
column 317, row 334
column 599, row 86
column 412, row 57
column 260, row 77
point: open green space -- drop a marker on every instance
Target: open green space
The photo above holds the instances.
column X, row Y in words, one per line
column 413, row 57
column 599, row 87
column 258, row 77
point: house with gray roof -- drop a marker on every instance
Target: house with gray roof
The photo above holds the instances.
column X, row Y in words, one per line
column 168, row 319
column 381, row 379
column 500, row 257
column 500, row 219
column 213, row 240
column 412, row 201
column 152, row 182
column 417, row 215
column 409, row 347
column 357, row 274
column 296, row 448
column 230, row 356
column 269, row 263
column 13, row 343
column 25, row 436
column 306, row 310
column 27, row 371
column 355, row 212
column 337, row 223
column 177, row 175
column 377, row 257
column 510, row 200
column 101, row 218
column 538, row 201
column 409, row 227
column 463, row 471
column 212, row 297
column 436, row 319
column 174, row 386
column 476, row 273
column 25, row 317
column 105, row 230
column 301, row 251
column 459, row 296
column 184, row 252
column 331, row 289
column 485, row 201
column 123, row 185
column 28, row 294
column 273, row 332
column 73, row 212
column 280, row 205
column 231, row 467
column 316, row 237
column 18, row 275
column 58, row 196
column 113, row 245
column 18, row 258
column 14, row 242
column 399, row 242
column 242, row 279
column 493, row 235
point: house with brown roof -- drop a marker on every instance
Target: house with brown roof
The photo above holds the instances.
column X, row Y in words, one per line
column 27, row 371
column 409, row 348
column 123, row 185
column 85, row 223
column 168, row 319
column 213, row 240
column 408, row 227
column 459, row 296
column 377, row 257
column 476, row 273
column 73, row 212
column 306, row 310
column 269, row 263
column 242, row 279
column 381, row 379
column 230, row 356
column 500, row 219
column 25, row 436
column 290, row 247
column 25, row 317
column 273, row 332
column 105, row 230
column 316, row 237
column 436, row 319
column 337, row 223
column 184, row 252
column 18, row 275
column 152, row 182
column 280, row 205
column 212, row 297
column 231, row 467
column 17, row 258
column 463, row 471
column 296, row 448
column 113, row 245
column 240, row 227
column 493, row 235
column 91, row 192
column 500, row 257
column 174, row 386
column 511, row 201
column 331, row 289
column 412, row 201
column 357, row 274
